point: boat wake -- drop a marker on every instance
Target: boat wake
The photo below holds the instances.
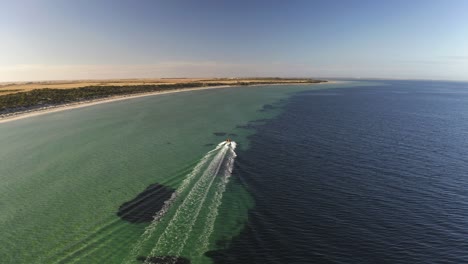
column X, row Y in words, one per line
column 190, row 213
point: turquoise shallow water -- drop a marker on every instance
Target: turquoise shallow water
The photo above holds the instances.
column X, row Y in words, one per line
column 64, row 175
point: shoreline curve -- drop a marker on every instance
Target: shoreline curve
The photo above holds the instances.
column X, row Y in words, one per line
column 63, row 107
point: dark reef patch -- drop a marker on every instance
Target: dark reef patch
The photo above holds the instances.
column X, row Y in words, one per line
column 164, row 260
column 209, row 145
column 142, row 208
column 252, row 124
column 232, row 135
column 267, row 107
column 219, row 133
column 262, row 120
column 248, row 126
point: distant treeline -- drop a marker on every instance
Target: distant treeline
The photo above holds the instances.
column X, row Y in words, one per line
column 9, row 91
column 47, row 97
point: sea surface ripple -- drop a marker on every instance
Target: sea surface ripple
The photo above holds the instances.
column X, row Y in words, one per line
column 373, row 174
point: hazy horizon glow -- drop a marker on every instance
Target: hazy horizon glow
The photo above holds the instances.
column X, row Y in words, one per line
column 50, row 40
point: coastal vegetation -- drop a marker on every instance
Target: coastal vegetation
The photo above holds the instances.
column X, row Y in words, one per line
column 46, row 97
column 9, row 91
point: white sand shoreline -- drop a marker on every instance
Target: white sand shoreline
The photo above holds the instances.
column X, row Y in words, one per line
column 63, row 107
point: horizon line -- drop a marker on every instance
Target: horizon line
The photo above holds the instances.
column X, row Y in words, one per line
column 234, row 77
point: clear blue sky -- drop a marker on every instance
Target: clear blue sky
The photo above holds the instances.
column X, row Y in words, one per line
column 50, row 39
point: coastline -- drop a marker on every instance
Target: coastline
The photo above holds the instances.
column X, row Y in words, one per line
column 63, row 107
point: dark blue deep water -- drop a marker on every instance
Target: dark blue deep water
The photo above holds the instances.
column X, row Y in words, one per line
column 371, row 174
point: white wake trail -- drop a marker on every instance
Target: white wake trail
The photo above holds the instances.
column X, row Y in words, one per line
column 188, row 214
column 149, row 230
column 176, row 233
column 203, row 241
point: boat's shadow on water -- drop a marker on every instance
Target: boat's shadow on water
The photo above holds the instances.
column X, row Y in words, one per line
column 142, row 209
column 145, row 205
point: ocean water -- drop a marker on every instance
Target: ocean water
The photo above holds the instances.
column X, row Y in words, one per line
column 375, row 174
column 356, row 172
column 84, row 185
